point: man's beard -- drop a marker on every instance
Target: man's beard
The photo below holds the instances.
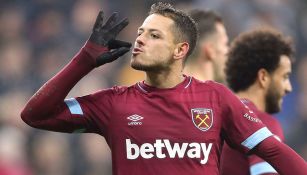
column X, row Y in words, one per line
column 152, row 67
column 272, row 100
column 145, row 68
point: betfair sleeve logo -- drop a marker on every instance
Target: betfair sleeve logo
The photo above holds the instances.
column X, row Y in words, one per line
column 251, row 118
column 202, row 118
column 164, row 148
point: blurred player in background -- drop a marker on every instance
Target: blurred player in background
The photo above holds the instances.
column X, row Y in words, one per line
column 167, row 124
column 258, row 70
column 208, row 59
column 207, row 63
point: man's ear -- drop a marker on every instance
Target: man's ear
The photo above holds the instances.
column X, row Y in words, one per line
column 181, row 50
column 208, row 50
column 263, row 78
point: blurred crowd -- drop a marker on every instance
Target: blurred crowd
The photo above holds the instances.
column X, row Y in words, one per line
column 38, row 37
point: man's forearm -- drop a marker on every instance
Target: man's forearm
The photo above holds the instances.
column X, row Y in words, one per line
column 281, row 157
column 45, row 101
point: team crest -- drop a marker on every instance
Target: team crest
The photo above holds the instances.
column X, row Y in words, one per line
column 202, row 118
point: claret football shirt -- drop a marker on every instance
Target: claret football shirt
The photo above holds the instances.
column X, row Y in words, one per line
column 234, row 162
column 178, row 130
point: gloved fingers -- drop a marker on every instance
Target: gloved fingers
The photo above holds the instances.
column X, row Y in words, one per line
column 111, row 21
column 119, row 27
column 99, row 21
column 119, row 52
column 114, row 44
column 111, row 56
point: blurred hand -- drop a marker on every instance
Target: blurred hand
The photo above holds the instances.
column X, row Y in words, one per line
column 104, row 35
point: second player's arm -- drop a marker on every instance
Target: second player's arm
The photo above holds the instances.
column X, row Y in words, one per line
column 245, row 132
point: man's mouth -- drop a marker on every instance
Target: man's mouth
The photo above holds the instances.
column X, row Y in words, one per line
column 136, row 51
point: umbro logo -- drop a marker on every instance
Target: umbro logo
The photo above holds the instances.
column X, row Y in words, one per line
column 135, row 119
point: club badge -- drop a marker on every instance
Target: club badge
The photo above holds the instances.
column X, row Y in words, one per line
column 202, row 118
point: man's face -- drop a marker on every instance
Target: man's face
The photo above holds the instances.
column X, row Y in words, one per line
column 220, row 48
column 280, row 85
column 155, row 44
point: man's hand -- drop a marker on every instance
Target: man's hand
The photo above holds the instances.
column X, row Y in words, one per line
column 102, row 44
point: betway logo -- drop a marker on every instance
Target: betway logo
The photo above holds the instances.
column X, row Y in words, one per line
column 160, row 147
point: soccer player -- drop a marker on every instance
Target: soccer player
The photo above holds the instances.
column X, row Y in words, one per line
column 208, row 59
column 166, row 124
column 258, row 70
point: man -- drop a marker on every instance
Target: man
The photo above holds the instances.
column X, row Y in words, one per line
column 167, row 124
column 258, row 70
column 208, row 59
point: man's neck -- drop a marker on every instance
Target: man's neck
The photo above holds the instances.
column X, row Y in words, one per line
column 255, row 95
column 201, row 71
column 165, row 79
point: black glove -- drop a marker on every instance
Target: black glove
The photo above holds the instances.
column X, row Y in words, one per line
column 104, row 35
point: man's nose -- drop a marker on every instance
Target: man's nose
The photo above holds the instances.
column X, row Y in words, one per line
column 140, row 40
column 289, row 87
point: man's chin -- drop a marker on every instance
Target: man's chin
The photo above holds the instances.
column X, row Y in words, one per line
column 138, row 66
column 144, row 68
column 280, row 105
column 273, row 108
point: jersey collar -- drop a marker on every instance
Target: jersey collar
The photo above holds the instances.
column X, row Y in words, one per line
column 147, row 88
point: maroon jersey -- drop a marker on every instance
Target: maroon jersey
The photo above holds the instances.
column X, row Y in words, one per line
column 178, row 130
column 234, row 162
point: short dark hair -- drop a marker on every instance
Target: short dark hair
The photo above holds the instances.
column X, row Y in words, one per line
column 185, row 27
column 252, row 51
column 206, row 21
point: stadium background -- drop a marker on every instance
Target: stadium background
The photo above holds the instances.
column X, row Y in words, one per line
column 38, row 37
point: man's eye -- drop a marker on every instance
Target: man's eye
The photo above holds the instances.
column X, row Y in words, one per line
column 286, row 77
column 155, row 36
